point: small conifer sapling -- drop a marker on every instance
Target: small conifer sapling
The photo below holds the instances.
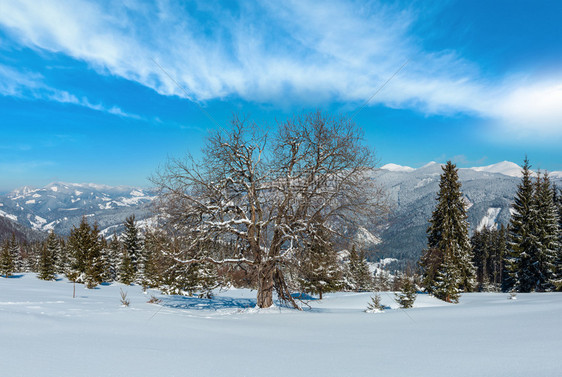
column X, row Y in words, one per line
column 375, row 306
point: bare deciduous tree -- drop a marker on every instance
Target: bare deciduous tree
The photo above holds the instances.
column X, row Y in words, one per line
column 270, row 195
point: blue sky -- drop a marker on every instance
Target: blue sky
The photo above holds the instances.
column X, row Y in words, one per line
column 82, row 99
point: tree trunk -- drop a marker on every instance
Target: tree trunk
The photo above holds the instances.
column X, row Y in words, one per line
column 265, row 285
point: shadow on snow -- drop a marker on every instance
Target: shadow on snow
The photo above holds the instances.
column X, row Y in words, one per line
column 215, row 303
column 218, row 302
column 12, row 276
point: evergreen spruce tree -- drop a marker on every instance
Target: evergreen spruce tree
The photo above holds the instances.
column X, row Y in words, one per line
column 320, row 272
column 528, row 269
column 106, row 260
column 28, row 256
column 358, row 274
column 558, row 259
column 407, row 294
column 430, row 261
column 31, row 254
column 47, row 267
column 6, row 260
column 364, row 275
column 132, row 244
column 206, row 279
column 496, row 264
column 547, row 234
column 115, row 255
column 78, row 244
column 71, row 270
column 126, row 268
column 175, row 278
column 447, row 281
column 61, row 260
column 489, row 250
column 397, row 281
column 480, row 242
column 95, row 265
column 189, row 278
column 204, row 275
column 521, row 231
column 16, row 252
column 86, row 264
column 534, row 236
column 151, row 272
column 448, row 242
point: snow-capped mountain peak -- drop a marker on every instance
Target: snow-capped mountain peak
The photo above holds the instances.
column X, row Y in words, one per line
column 66, row 186
column 395, row 167
column 429, row 164
column 505, row 167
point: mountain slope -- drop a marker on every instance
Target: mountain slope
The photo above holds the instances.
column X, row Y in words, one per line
column 488, row 191
column 9, row 227
column 60, row 206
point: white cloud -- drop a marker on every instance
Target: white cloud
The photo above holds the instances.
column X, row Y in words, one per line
column 31, row 85
column 529, row 108
column 16, row 84
column 279, row 52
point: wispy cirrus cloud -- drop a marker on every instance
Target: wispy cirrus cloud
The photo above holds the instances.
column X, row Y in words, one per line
column 30, row 85
column 277, row 52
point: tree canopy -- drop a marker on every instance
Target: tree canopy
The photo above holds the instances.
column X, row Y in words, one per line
column 270, row 194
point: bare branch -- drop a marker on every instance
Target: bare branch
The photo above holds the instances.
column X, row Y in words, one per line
column 271, row 195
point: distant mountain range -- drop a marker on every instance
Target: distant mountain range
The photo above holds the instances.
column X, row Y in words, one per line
column 60, row 206
column 505, row 167
column 488, row 191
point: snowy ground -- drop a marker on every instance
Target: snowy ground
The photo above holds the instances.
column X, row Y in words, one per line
column 44, row 332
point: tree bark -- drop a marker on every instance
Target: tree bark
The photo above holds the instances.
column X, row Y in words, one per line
column 265, row 285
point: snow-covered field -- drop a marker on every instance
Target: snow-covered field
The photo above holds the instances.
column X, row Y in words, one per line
column 45, row 332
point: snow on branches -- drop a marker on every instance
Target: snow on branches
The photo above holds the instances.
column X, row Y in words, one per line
column 271, row 195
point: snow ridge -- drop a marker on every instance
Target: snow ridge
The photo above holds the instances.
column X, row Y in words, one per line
column 505, row 167
column 489, row 220
column 508, row 168
column 398, row 168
